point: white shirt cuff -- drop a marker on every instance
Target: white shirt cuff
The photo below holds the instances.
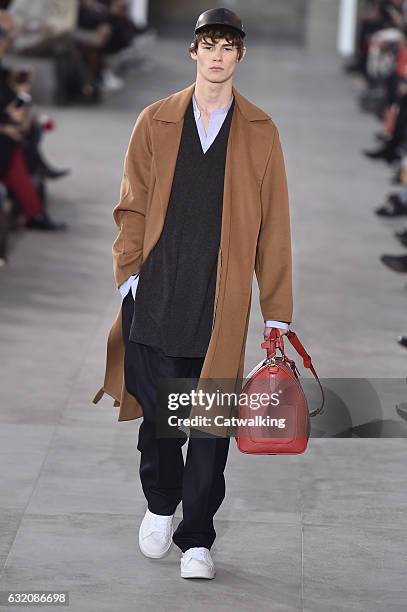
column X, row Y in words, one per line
column 279, row 324
column 130, row 283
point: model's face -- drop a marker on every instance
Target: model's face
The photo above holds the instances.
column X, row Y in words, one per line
column 216, row 63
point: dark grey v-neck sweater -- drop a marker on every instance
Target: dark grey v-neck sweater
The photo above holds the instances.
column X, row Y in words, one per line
column 173, row 308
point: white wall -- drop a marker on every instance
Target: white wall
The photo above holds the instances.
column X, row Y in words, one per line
column 322, row 24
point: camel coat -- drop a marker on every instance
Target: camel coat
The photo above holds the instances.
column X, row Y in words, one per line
column 255, row 233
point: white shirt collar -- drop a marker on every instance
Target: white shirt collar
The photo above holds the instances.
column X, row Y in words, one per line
column 215, row 111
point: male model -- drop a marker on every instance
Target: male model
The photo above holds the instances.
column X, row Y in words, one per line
column 203, row 205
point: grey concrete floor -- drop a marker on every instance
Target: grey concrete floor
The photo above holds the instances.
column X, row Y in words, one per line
column 324, row 531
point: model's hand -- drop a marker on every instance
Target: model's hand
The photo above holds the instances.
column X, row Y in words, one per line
column 267, row 331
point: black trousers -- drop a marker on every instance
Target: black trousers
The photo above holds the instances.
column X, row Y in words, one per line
column 166, row 481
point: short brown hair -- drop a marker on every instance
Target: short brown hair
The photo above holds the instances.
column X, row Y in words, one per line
column 215, row 33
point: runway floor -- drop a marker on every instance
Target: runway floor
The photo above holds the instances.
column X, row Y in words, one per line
column 324, row 531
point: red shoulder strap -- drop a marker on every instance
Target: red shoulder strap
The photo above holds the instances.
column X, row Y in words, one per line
column 293, row 338
column 277, row 341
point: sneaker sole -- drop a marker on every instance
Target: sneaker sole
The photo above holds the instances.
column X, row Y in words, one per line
column 190, row 574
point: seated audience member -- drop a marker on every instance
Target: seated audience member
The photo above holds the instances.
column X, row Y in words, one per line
column 381, row 58
column 93, row 35
column 33, row 128
column 42, row 33
column 14, row 172
column 106, row 35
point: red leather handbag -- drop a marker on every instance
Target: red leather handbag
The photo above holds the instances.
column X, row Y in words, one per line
column 281, row 423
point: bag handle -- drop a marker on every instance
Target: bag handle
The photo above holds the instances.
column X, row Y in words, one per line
column 275, row 340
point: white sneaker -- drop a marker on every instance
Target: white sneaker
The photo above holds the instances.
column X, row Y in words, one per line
column 111, row 82
column 197, row 563
column 155, row 534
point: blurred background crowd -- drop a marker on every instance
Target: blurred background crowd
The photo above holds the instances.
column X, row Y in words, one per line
column 381, row 62
column 87, row 46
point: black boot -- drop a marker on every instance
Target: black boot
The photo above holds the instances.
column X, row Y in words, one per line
column 46, row 171
column 402, row 236
column 397, row 263
column 39, row 167
column 43, row 222
column 388, row 153
column 393, row 207
column 402, row 340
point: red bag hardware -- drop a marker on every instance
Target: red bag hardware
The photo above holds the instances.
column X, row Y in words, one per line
column 289, row 414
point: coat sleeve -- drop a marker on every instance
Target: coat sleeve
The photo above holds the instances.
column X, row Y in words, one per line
column 129, row 213
column 273, row 264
